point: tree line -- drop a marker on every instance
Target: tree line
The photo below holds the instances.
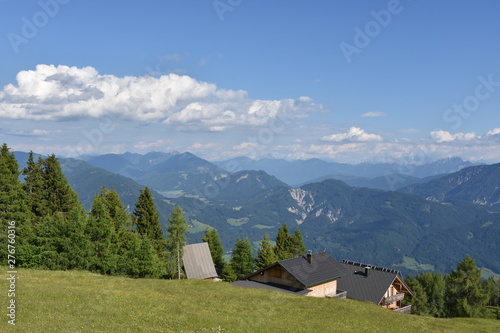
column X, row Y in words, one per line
column 461, row 293
column 55, row 232
column 243, row 262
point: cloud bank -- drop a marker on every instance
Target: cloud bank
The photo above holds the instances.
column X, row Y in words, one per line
column 59, row 93
column 355, row 134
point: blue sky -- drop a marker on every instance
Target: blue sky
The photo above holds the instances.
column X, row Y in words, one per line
column 348, row 81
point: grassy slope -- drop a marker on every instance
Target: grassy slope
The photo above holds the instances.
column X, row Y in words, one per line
column 52, row 301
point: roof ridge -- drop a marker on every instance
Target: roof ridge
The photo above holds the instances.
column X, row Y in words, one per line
column 378, row 268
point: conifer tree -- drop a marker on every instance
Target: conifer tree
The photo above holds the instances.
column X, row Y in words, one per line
column 265, row 253
column 283, row 247
column 147, row 221
column 14, row 212
column 177, row 239
column 62, row 243
column 297, row 244
column 418, row 301
column 434, row 287
column 140, row 259
column 58, row 194
column 117, row 211
column 12, row 197
column 34, row 186
column 216, row 249
column 464, row 295
column 103, row 239
column 242, row 261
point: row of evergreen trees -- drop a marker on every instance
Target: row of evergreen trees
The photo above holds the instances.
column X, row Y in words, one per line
column 458, row 294
column 55, row 232
column 243, row 262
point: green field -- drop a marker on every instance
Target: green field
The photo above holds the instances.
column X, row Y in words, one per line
column 72, row 301
column 412, row 264
column 237, row 222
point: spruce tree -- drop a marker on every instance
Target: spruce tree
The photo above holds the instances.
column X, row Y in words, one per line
column 419, row 300
column 265, row 254
column 297, row 244
column 14, row 212
column 283, row 247
column 177, row 239
column 62, row 243
column 34, row 187
column 147, row 221
column 58, row 194
column 13, row 205
column 140, row 259
column 242, row 261
column 434, row 287
column 216, row 249
column 464, row 295
column 103, row 238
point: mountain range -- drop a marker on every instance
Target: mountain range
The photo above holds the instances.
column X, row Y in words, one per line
column 429, row 225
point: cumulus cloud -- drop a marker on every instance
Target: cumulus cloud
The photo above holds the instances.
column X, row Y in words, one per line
column 444, row 136
column 373, row 114
column 355, row 134
column 67, row 93
column 494, row 131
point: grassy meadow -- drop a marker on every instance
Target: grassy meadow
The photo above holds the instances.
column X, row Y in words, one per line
column 73, row 301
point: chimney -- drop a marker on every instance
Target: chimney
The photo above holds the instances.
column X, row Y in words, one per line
column 310, row 256
column 367, row 270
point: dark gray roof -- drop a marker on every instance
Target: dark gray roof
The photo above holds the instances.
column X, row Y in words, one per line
column 198, row 262
column 269, row 286
column 322, row 269
column 362, row 287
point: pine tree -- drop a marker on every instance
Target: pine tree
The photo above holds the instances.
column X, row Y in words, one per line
column 265, row 254
column 62, row 243
column 242, row 261
column 177, row 239
column 34, row 187
column 464, row 295
column 216, row 249
column 283, row 247
column 434, row 287
column 140, row 259
column 117, row 211
column 418, row 301
column 148, row 221
column 58, row 194
column 14, row 212
column 13, row 205
column 228, row 274
column 297, row 244
column 103, row 239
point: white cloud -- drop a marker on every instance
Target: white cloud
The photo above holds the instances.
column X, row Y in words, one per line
column 494, row 131
column 373, row 114
column 148, row 145
column 444, row 136
column 355, row 134
column 69, row 93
